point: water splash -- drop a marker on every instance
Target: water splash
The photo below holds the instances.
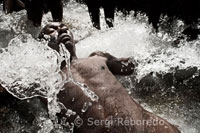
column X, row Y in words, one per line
column 25, row 65
column 30, row 69
column 86, row 106
column 153, row 53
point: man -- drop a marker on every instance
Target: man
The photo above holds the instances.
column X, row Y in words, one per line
column 94, row 11
column 101, row 103
column 35, row 9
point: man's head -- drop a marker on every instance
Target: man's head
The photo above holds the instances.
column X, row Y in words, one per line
column 58, row 33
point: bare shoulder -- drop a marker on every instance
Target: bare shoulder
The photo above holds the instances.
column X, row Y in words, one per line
column 118, row 66
column 89, row 62
column 89, row 67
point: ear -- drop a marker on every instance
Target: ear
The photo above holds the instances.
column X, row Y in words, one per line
column 20, row 3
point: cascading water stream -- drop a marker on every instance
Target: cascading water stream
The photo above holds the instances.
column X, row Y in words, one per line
column 30, row 69
column 34, row 66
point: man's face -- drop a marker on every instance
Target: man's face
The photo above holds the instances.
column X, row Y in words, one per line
column 58, row 33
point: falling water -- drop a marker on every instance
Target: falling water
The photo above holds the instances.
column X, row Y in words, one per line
column 25, row 63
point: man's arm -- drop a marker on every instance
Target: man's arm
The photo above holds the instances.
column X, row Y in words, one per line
column 118, row 66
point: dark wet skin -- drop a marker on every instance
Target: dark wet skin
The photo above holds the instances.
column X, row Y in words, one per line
column 97, row 73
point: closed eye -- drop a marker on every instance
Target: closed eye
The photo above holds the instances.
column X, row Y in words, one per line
column 50, row 30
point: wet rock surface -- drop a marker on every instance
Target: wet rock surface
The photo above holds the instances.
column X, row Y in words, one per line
column 20, row 116
column 177, row 94
column 184, row 82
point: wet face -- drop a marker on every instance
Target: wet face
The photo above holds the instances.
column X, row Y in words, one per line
column 58, row 33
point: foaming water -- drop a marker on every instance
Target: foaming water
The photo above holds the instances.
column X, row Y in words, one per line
column 29, row 64
column 134, row 39
column 154, row 53
column 126, row 41
column 30, row 69
column 24, row 64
